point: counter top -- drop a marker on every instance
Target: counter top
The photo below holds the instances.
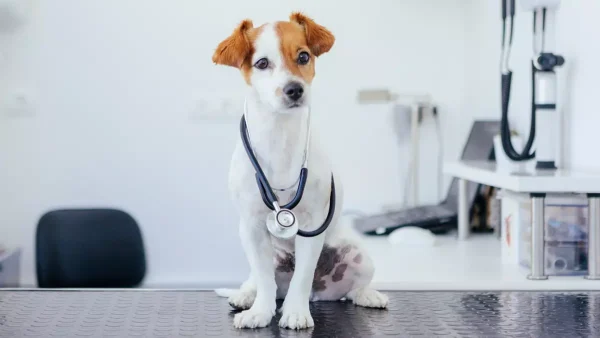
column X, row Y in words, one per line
column 526, row 180
column 457, row 265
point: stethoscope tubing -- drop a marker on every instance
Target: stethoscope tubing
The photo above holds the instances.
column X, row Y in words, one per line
column 268, row 196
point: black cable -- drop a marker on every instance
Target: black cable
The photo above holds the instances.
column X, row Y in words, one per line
column 503, row 22
column 328, row 219
column 512, row 26
column 264, row 187
column 543, row 29
column 512, row 21
column 263, row 184
column 543, row 20
column 506, row 83
column 529, row 143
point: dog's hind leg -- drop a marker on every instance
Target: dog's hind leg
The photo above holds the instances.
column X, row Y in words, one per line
column 345, row 271
column 362, row 294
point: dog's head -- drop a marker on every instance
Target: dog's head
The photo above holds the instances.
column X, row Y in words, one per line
column 278, row 59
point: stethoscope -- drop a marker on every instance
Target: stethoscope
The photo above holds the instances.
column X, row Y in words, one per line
column 282, row 222
column 542, row 62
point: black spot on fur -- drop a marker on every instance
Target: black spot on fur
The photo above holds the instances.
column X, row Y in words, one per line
column 327, row 261
column 327, row 265
column 287, row 263
column 319, row 285
column 338, row 275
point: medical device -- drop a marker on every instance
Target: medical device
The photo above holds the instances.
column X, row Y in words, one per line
column 543, row 82
column 282, row 222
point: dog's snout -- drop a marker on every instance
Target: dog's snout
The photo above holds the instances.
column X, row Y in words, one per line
column 293, row 91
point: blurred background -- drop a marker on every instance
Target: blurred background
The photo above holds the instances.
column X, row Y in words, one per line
column 117, row 104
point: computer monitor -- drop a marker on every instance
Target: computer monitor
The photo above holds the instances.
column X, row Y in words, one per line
column 443, row 216
column 479, row 147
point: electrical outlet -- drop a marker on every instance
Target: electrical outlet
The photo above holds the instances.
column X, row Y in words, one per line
column 375, row 96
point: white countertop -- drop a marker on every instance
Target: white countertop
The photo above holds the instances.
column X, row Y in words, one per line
column 550, row 181
column 457, row 265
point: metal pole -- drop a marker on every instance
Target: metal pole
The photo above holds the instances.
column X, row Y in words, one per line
column 414, row 123
column 593, row 237
column 463, row 210
column 537, row 237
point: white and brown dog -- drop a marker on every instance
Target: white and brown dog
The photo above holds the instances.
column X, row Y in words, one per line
column 277, row 61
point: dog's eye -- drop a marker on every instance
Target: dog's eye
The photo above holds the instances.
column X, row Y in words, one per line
column 262, row 63
column 303, row 58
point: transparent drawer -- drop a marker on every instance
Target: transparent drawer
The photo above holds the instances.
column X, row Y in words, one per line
column 562, row 259
column 563, row 222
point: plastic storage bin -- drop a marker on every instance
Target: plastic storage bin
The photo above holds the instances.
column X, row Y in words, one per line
column 565, row 234
column 562, row 259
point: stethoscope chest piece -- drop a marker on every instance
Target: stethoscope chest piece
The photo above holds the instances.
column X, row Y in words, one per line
column 282, row 224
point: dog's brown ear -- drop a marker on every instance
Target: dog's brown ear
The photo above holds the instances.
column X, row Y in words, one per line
column 234, row 50
column 319, row 39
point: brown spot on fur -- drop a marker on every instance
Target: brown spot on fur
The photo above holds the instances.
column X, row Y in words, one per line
column 302, row 34
column 292, row 43
column 319, row 285
column 338, row 275
column 286, row 263
column 357, row 259
column 279, row 92
column 237, row 49
column 319, row 39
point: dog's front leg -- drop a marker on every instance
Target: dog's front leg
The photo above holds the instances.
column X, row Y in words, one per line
column 295, row 309
column 259, row 252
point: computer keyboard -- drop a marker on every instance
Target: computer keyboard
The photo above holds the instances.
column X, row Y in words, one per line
column 434, row 216
column 418, row 214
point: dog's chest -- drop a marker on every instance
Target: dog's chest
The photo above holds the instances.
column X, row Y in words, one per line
column 310, row 207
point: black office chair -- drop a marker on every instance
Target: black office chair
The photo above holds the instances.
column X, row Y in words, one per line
column 89, row 248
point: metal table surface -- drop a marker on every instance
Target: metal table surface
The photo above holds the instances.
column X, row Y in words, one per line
column 174, row 313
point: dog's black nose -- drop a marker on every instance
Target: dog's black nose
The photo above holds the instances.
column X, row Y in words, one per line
column 293, row 91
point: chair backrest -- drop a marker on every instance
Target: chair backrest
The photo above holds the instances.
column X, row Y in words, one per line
column 89, row 248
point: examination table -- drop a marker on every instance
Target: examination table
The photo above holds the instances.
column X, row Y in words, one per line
column 174, row 313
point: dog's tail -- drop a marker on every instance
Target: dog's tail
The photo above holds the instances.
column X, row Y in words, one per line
column 225, row 292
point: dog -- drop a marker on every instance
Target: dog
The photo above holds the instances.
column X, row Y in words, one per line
column 277, row 62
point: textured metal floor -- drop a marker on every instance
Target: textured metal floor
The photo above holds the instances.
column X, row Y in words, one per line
column 202, row 314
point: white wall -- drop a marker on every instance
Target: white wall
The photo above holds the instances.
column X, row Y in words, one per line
column 576, row 26
column 113, row 84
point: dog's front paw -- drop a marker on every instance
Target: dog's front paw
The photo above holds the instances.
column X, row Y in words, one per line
column 253, row 318
column 297, row 317
column 242, row 300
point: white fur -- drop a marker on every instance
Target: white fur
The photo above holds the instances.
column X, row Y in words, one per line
column 278, row 136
